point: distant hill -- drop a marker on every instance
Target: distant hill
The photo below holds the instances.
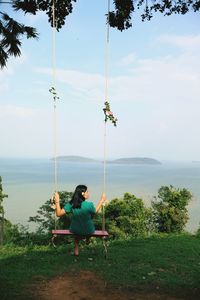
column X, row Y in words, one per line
column 74, row 158
column 130, row 160
column 136, row 160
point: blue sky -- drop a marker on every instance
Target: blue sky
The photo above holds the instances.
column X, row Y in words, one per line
column 154, row 88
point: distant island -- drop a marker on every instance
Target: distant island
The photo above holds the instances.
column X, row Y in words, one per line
column 136, row 160
column 130, row 160
column 74, row 158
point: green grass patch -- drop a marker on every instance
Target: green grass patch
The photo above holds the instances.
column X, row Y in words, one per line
column 168, row 262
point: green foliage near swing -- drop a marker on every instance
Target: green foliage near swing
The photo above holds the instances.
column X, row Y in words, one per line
column 45, row 218
column 128, row 217
column 125, row 218
column 170, row 212
column 2, row 220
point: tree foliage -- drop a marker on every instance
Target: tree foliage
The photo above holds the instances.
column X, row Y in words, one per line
column 121, row 15
column 2, row 196
column 124, row 217
column 170, row 210
column 62, row 9
column 11, row 32
column 11, row 232
column 128, row 217
column 46, row 219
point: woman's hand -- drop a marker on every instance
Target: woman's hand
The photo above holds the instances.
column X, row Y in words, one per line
column 56, row 198
column 59, row 211
column 103, row 199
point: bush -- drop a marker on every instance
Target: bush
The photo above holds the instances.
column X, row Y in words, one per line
column 170, row 213
column 128, row 217
column 46, row 219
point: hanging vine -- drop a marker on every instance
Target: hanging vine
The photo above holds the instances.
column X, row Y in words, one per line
column 109, row 114
column 53, row 91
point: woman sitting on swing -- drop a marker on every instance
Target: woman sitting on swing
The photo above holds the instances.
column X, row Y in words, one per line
column 82, row 214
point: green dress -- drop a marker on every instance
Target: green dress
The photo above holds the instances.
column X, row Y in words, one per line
column 81, row 223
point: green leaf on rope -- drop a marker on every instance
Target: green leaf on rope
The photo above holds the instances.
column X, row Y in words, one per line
column 108, row 114
column 52, row 90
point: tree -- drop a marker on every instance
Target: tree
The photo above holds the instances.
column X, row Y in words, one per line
column 2, row 196
column 45, row 218
column 120, row 17
column 128, row 217
column 11, row 232
column 122, row 14
column 170, row 210
column 11, row 32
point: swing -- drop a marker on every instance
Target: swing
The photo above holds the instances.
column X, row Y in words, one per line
column 97, row 233
column 103, row 234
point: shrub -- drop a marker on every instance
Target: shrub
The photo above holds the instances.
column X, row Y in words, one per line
column 128, row 217
column 170, row 213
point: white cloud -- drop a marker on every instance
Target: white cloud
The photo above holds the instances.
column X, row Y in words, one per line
column 10, row 70
column 168, row 78
column 16, row 111
column 157, row 101
column 129, row 59
column 172, row 78
column 86, row 85
column 183, row 42
column 4, row 74
column 14, row 62
column 3, row 86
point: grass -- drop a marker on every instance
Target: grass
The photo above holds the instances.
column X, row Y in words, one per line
column 168, row 262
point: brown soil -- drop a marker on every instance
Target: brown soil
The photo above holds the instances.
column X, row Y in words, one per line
column 87, row 286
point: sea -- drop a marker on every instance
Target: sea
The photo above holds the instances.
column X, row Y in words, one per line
column 29, row 183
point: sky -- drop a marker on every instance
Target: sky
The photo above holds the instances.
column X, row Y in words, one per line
column 153, row 88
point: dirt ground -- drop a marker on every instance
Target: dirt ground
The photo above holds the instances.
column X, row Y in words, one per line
column 87, row 286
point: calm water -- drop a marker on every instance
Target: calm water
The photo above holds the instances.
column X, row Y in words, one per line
column 30, row 182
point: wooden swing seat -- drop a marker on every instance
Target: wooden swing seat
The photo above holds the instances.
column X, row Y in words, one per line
column 103, row 234
column 97, row 233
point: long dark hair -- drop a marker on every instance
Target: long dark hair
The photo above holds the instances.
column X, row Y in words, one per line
column 77, row 197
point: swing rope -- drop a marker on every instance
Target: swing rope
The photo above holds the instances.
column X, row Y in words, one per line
column 108, row 116
column 106, row 100
column 106, row 95
column 55, row 97
column 107, row 112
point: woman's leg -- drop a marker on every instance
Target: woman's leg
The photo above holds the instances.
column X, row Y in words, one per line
column 76, row 244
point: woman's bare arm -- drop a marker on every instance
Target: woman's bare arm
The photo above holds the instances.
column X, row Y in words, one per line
column 101, row 202
column 59, row 211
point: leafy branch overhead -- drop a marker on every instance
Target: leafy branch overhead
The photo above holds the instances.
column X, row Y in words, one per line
column 108, row 114
column 121, row 10
column 62, row 8
column 11, row 32
column 120, row 17
column 54, row 93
